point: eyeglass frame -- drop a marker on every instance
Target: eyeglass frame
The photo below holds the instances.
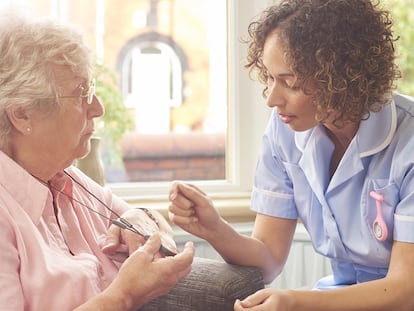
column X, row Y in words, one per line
column 89, row 96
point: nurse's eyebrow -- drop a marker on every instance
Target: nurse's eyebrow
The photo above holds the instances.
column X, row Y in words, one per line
column 281, row 75
column 285, row 75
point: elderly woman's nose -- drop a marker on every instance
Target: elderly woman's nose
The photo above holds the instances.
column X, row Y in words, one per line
column 96, row 109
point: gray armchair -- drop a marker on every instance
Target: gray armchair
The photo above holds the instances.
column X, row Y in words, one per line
column 211, row 286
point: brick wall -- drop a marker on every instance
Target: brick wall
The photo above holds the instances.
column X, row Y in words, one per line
column 166, row 157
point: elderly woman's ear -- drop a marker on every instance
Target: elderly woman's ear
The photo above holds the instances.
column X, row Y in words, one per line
column 19, row 118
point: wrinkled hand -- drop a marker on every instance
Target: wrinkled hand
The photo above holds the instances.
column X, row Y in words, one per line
column 265, row 299
column 120, row 243
column 192, row 210
column 144, row 276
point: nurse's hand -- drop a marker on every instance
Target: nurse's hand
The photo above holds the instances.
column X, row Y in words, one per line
column 192, row 210
column 265, row 299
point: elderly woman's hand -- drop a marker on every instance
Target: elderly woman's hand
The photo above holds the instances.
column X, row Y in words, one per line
column 143, row 277
column 120, row 243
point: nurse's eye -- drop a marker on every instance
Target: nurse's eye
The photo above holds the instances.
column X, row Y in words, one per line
column 289, row 85
column 294, row 87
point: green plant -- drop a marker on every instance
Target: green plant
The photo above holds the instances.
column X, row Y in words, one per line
column 116, row 120
column 403, row 16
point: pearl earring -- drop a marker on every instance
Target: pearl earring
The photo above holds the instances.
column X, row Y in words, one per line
column 28, row 129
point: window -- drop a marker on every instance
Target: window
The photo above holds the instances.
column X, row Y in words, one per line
column 166, row 67
column 247, row 117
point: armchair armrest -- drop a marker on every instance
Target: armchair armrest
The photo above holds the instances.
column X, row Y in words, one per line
column 211, row 285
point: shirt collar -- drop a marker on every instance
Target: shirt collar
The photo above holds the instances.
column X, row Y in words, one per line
column 382, row 123
column 26, row 190
column 376, row 133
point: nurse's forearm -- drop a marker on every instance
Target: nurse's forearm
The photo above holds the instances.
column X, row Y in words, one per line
column 236, row 248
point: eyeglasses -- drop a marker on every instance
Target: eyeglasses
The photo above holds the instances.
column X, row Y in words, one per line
column 88, row 94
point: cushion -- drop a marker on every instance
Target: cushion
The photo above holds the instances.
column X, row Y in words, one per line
column 211, row 285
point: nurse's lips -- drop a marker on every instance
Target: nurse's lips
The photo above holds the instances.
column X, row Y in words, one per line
column 286, row 118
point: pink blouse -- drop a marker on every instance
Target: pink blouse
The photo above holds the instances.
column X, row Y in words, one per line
column 49, row 262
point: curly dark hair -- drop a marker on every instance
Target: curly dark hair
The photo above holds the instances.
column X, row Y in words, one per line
column 344, row 49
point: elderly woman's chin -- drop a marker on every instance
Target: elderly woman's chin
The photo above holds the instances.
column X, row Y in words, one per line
column 83, row 150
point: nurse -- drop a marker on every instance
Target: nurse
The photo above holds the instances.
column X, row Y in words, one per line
column 337, row 154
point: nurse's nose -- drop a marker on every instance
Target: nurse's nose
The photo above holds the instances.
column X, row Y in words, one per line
column 275, row 96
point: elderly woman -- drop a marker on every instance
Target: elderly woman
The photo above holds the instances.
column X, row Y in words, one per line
column 60, row 249
column 337, row 153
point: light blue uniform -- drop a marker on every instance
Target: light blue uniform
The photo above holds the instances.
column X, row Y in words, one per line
column 292, row 181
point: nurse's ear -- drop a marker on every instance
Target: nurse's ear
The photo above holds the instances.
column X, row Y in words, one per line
column 19, row 118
